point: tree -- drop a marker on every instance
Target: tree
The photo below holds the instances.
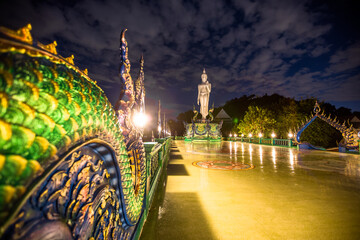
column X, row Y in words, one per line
column 287, row 119
column 257, row 120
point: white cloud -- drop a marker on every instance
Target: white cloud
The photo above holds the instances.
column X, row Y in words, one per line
column 247, row 47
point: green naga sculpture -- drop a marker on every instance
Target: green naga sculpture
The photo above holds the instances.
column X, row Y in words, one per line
column 71, row 166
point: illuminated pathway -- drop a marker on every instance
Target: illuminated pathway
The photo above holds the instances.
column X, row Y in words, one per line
column 289, row 194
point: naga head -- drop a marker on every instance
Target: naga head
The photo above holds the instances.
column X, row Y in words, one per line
column 316, row 108
column 124, row 48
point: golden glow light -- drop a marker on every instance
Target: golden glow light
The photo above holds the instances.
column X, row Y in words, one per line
column 250, row 135
column 290, row 135
column 140, row 119
column 260, row 135
column 274, row 157
column 291, row 158
column 230, row 135
column 273, row 135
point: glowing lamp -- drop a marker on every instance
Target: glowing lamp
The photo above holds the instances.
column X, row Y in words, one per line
column 273, row 135
column 250, row 135
column 242, row 135
column 290, row 135
column 235, row 135
column 260, row 135
column 230, row 135
column 140, row 119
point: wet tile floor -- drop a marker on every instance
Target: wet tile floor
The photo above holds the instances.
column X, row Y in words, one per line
column 289, row 194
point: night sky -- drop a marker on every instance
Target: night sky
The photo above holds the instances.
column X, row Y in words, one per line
column 294, row 48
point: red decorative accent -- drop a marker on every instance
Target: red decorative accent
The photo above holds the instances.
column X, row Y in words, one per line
column 223, row 165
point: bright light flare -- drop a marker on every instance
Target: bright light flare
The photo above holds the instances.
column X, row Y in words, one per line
column 140, row 119
column 250, row 135
column 273, row 135
column 274, row 157
column 290, row 135
column 260, row 135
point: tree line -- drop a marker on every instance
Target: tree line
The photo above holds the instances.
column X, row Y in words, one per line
column 274, row 114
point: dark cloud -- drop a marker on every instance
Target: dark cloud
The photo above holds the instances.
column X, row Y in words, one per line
column 295, row 48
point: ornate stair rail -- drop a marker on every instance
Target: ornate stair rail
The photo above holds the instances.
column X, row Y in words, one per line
column 349, row 134
column 70, row 165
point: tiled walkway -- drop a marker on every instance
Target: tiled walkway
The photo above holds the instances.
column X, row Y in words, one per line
column 287, row 195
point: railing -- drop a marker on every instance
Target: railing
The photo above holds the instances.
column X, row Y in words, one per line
column 267, row 141
column 282, row 142
column 153, row 160
column 264, row 141
column 157, row 156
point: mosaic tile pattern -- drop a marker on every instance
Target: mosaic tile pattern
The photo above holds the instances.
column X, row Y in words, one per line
column 222, row 165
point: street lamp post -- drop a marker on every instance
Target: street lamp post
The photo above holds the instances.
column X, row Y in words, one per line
column 272, row 138
column 260, row 136
column 290, row 139
column 250, row 136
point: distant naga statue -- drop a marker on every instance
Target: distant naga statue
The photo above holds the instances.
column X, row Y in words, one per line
column 204, row 90
column 350, row 135
column 211, row 111
column 195, row 114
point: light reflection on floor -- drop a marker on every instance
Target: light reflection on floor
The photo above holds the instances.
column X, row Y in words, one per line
column 289, row 194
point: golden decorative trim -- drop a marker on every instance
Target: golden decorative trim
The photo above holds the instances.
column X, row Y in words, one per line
column 70, row 59
column 11, row 46
column 22, row 34
column 242, row 169
column 85, row 71
column 50, row 47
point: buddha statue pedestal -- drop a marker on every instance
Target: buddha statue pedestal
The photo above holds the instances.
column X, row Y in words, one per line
column 203, row 131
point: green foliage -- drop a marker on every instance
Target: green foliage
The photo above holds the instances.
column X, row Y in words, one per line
column 186, row 116
column 178, row 126
column 287, row 119
column 257, row 120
